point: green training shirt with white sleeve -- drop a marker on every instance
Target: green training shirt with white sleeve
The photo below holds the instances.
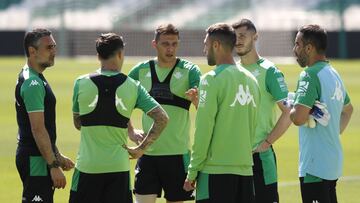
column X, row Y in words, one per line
column 272, row 90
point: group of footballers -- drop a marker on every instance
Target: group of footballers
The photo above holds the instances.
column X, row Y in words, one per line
column 232, row 159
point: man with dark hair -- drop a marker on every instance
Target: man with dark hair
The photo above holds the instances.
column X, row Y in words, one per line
column 102, row 105
column 221, row 158
column 320, row 95
column 273, row 90
column 38, row 160
column 168, row 79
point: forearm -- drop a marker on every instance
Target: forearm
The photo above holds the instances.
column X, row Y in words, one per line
column 345, row 117
column 43, row 143
column 280, row 127
column 77, row 121
column 160, row 120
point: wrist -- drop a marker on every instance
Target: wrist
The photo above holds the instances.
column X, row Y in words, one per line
column 54, row 164
column 267, row 141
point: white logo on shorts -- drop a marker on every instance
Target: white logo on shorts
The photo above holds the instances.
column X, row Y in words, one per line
column 37, row 198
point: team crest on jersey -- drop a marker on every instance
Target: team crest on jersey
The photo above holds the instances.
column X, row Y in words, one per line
column 148, row 75
column 338, row 93
column 94, row 102
column 302, row 89
column 177, row 75
column 255, row 73
column 244, row 97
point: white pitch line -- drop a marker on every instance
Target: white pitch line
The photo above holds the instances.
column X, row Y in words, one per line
column 342, row 179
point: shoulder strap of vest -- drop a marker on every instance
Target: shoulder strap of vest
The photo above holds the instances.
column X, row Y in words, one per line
column 154, row 76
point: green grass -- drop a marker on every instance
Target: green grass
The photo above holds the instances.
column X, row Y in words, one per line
column 61, row 78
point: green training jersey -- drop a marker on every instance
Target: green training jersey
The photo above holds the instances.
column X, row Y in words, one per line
column 272, row 90
column 101, row 148
column 175, row 137
column 225, row 122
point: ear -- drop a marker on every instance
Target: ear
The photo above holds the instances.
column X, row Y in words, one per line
column 308, row 48
column 32, row 50
column 153, row 43
column 256, row 35
column 215, row 44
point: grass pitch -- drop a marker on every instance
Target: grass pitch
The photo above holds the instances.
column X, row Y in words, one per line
column 65, row 71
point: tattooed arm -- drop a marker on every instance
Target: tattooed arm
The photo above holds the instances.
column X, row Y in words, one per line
column 160, row 120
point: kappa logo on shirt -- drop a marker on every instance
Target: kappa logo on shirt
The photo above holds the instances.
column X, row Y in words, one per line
column 33, row 83
column 37, row 198
column 244, row 97
column 204, row 82
column 202, row 97
column 178, row 75
column 338, row 93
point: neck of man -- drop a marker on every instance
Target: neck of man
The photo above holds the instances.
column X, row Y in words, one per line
column 225, row 58
column 250, row 58
column 110, row 65
column 166, row 64
column 35, row 66
column 316, row 58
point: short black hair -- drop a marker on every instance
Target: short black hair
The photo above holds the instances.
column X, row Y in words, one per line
column 165, row 29
column 224, row 33
column 315, row 35
column 32, row 37
column 244, row 23
column 108, row 44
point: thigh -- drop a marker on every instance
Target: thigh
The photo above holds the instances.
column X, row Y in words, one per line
column 265, row 177
column 86, row 188
column 147, row 179
column 314, row 189
column 117, row 188
column 173, row 172
column 37, row 183
column 333, row 196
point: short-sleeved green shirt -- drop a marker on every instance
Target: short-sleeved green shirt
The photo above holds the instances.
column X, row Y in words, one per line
column 272, row 89
column 101, row 148
column 175, row 137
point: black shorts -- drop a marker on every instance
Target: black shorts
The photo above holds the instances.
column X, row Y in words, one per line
column 221, row 188
column 317, row 190
column 156, row 173
column 101, row 187
column 35, row 177
column 265, row 177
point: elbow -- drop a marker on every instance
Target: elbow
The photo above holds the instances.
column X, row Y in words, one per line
column 298, row 122
column 165, row 118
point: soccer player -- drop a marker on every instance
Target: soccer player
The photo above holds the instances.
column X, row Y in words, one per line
column 221, row 160
column 273, row 90
column 166, row 78
column 102, row 104
column 321, row 156
column 38, row 160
